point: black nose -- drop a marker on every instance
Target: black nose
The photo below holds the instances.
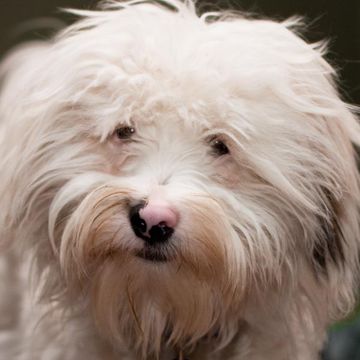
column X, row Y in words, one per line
column 157, row 234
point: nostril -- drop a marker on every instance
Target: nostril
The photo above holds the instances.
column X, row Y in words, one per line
column 160, row 233
column 137, row 223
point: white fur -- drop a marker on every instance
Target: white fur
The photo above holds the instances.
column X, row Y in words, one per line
column 243, row 282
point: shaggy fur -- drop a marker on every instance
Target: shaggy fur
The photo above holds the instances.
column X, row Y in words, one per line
column 265, row 254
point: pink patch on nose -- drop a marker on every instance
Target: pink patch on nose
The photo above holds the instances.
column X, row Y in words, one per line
column 158, row 214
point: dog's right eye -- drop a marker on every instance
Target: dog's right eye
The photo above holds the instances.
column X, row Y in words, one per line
column 125, row 132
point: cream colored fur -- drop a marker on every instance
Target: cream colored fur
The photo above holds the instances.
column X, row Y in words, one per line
column 265, row 255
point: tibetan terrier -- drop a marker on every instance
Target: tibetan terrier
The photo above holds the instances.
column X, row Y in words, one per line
column 174, row 186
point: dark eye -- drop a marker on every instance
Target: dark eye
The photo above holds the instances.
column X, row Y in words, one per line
column 218, row 147
column 125, row 132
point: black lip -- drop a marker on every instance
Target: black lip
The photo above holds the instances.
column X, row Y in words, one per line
column 153, row 255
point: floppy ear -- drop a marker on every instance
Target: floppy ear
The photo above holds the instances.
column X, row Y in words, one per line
column 336, row 247
column 29, row 170
column 332, row 175
column 17, row 73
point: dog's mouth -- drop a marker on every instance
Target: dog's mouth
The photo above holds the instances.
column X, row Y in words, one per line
column 153, row 254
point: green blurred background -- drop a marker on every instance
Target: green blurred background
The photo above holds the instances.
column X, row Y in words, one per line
column 337, row 20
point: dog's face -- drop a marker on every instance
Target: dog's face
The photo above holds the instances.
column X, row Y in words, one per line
column 178, row 170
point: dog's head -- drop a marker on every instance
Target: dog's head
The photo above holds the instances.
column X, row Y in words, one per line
column 170, row 171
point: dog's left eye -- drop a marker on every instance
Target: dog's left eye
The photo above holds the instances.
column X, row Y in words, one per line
column 125, row 132
column 218, row 147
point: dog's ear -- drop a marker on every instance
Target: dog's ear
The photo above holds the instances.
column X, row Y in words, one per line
column 18, row 73
column 29, row 170
column 336, row 248
column 333, row 176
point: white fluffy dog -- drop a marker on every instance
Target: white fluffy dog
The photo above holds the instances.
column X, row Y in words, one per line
column 174, row 187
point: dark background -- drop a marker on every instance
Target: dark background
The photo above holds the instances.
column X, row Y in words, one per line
column 336, row 20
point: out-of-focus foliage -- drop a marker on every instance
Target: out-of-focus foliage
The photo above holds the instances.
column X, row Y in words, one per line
column 344, row 340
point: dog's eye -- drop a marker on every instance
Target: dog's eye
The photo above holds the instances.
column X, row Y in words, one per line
column 124, row 132
column 218, row 147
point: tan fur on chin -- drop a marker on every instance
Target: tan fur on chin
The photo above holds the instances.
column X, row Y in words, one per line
column 232, row 129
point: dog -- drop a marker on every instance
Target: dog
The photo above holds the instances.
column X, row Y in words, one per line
column 174, row 186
